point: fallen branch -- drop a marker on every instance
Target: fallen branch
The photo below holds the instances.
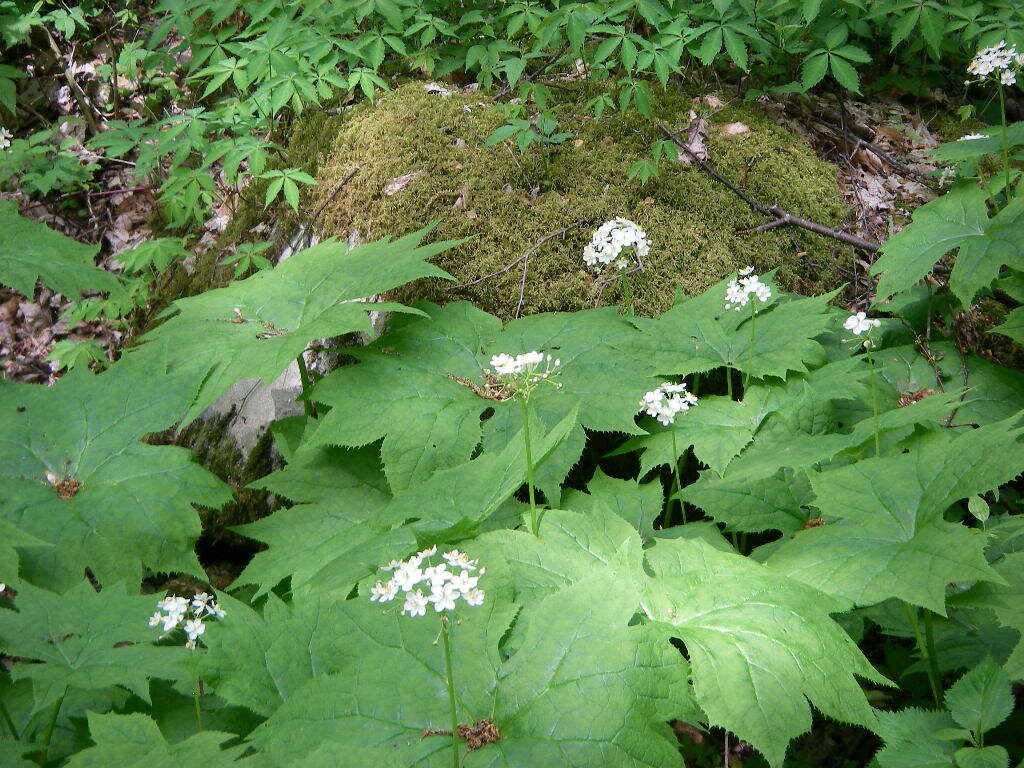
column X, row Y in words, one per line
column 334, row 193
column 76, row 90
column 521, row 259
column 780, row 217
column 860, row 143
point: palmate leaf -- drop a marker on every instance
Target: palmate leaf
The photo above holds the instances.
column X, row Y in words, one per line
column 75, row 475
column 583, row 688
column 354, row 524
column 135, row 741
column 754, row 639
column 766, row 488
column 256, row 327
column 414, row 387
column 957, row 220
column 891, row 539
column 85, row 640
column 700, row 334
column 718, row 429
column 11, row 539
column 31, row 252
column 639, row 504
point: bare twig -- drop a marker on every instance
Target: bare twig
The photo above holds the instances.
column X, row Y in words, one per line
column 772, row 210
column 522, row 258
column 859, row 143
column 334, row 193
column 526, row 259
column 83, row 101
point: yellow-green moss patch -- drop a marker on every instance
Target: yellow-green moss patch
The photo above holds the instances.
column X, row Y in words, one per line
column 506, row 201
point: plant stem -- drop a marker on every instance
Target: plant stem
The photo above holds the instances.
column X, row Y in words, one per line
column 627, row 296
column 450, row 676
column 9, row 721
column 922, row 649
column 666, row 515
column 52, row 724
column 874, row 402
column 750, row 352
column 308, row 405
column 195, row 689
column 728, row 382
column 524, row 406
column 696, row 384
column 933, row 660
column 1006, row 143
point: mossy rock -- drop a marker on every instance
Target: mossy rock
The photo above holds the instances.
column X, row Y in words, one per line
column 506, row 201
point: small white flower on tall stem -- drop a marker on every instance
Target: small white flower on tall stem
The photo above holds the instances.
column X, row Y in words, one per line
column 666, row 401
column 740, row 290
column 5, row 138
column 446, row 587
column 859, row 323
column 173, row 610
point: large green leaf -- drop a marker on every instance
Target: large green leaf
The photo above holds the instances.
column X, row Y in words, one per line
column 636, row 503
column 354, row 524
column 84, row 640
column 890, row 539
column 583, row 688
column 420, row 387
column 754, row 638
column 958, row 220
column 135, row 741
column 31, row 252
column 75, row 475
column 761, row 647
column 701, row 333
column 256, row 327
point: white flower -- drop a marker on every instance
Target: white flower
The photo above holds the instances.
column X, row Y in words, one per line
column 611, row 239
column 437, row 575
column 504, row 365
column 973, row 137
column 5, row 138
column 666, row 401
column 415, row 604
column 382, row 593
column 474, row 597
column 443, row 597
column 458, row 559
column 1009, row 77
column 860, row 323
column 216, row 610
column 201, row 602
column 996, row 58
column 464, row 582
column 194, row 628
column 407, row 576
column 155, row 619
column 738, row 292
column 391, row 566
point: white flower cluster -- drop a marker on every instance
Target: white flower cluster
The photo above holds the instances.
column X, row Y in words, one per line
column 173, row 609
column 611, row 239
column 1001, row 59
column 973, row 137
column 525, row 371
column 5, row 138
column 666, row 401
column 860, row 323
column 738, row 292
column 446, row 587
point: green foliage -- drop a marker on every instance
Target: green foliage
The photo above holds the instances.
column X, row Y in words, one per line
column 76, row 476
column 255, row 327
column 32, row 252
column 977, row 703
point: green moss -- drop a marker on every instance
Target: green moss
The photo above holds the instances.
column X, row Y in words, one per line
column 508, row 201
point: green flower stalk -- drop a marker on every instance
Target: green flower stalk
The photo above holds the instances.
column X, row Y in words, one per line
column 523, row 374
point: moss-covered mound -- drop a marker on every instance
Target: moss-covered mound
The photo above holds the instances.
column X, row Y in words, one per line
column 507, row 201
